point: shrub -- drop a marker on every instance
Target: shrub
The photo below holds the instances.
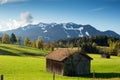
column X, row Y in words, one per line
column 118, row 54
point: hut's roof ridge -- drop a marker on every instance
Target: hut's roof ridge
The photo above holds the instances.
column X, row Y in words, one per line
column 61, row 54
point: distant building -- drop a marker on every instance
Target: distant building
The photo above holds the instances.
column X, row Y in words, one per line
column 68, row 62
column 105, row 55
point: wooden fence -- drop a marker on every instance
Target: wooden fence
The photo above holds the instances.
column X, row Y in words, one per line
column 1, row 77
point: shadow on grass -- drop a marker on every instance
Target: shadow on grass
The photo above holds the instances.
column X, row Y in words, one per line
column 10, row 48
column 3, row 52
column 31, row 54
column 22, row 53
column 102, row 75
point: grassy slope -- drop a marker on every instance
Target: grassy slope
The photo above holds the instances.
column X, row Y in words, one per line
column 33, row 68
column 16, row 50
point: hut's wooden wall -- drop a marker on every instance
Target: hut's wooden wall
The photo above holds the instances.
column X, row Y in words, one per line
column 54, row 66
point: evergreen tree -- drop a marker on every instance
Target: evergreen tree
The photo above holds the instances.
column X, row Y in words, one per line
column 13, row 38
column 0, row 40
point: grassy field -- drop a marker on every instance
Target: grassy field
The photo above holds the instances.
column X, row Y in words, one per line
column 30, row 67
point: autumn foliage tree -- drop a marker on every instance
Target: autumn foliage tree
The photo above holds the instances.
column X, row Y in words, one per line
column 32, row 44
column 5, row 39
column 19, row 39
column 114, row 47
column 49, row 46
column 39, row 44
column 26, row 41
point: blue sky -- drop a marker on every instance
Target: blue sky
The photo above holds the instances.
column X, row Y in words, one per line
column 102, row 14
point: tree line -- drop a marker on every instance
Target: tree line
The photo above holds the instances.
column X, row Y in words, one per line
column 12, row 39
column 93, row 44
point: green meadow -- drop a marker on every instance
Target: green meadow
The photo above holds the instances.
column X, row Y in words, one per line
column 25, row 63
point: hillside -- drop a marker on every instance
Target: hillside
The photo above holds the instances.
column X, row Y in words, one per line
column 16, row 50
column 53, row 31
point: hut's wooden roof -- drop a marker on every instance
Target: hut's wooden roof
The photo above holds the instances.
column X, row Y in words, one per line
column 61, row 54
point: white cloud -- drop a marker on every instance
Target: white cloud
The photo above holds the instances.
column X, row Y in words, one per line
column 13, row 24
column 97, row 9
column 3, row 25
column 0, row 27
column 26, row 19
column 11, row 1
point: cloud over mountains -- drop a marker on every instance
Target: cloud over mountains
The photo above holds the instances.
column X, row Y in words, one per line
column 25, row 18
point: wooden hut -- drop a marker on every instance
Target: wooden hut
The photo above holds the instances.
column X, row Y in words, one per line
column 68, row 62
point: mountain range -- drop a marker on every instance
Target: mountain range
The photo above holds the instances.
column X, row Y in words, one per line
column 53, row 31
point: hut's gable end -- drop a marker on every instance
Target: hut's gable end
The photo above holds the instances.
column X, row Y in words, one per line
column 82, row 64
column 77, row 64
